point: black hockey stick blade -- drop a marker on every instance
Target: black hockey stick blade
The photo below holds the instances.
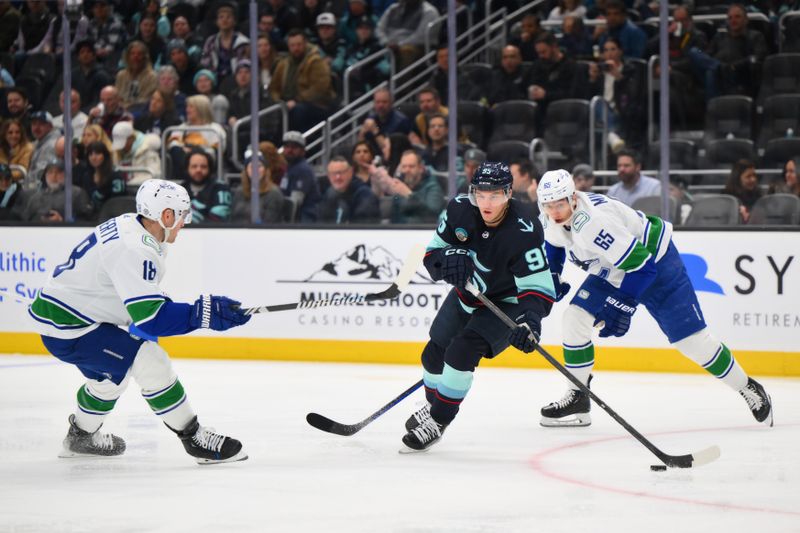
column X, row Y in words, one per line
column 400, row 283
column 674, row 461
column 324, row 423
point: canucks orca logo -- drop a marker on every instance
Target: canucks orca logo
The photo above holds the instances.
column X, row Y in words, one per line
column 697, row 268
column 583, row 265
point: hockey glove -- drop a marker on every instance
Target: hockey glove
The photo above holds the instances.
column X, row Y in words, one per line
column 562, row 289
column 457, row 267
column 218, row 313
column 616, row 314
column 526, row 335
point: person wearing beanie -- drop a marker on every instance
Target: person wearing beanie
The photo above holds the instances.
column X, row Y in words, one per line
column 185, row 65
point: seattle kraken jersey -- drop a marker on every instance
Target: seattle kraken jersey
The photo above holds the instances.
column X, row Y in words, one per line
column 510, row 263
column 607, row 238
column 111, row 276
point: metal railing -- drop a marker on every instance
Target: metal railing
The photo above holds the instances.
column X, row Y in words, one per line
column 593, row 103
column 165, row 135
column 436, row 24
column 279, row 107
column 361, row 64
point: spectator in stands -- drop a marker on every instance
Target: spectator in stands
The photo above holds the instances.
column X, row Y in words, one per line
column 624, row 90
column 185, row 66
column 193, row 43
column 159, row 116
column 89, row 77
column 531, row 28
column 743, row 183
column 6, row 79
column 270, row 197
column 303, row 81
column 109, row 111
column 430, row 103
column 44, row 149
column 240, row 105
column 383, row 119
column 789, row 184
column 575, row 40
column 156, row 47
column 472, row 160
column 567, row 8
column 266, row 26
column 632, row 185
column 371, row 75
column 210, row 139
column 632, row 38
column 106, row 30
column 205, row 83
column 47, row 203
column 347, row 200
column 10, row 20
column 552, row 76
column 92, row 133
column 169, row 84
column 34, row 28
column 299, row 183
column 136, row 82
column 152, row 8
column 729, row 65
column 79, row 118
column 583, row 176
column 137, row 149
column 286, row 16
column 361, row 158
column 18, row 106
column 211, row 199
column 309, row 10
column 15, row 148
column 101, row 182
column 11, row 199
column 402, row 28
column 437, row 152
column 525, row 183
column 392, row 149
column 357, row 12
column 417, row 196
column 226, row 46
column 277, row 163
column 79, row 30
column 510, row 81
column 266, row 62
column 332, row 48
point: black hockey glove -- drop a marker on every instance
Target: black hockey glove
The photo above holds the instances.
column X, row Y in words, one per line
column 562, row 289
column 526, row 335
column 218, row 313
column 457, row 267
column 616, row 315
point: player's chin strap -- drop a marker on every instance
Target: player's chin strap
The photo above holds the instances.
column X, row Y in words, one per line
column 178, row 218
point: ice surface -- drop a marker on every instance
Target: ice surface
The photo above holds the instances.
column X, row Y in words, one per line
column 495, row 470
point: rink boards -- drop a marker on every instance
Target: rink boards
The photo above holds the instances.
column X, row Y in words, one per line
column 748, row 284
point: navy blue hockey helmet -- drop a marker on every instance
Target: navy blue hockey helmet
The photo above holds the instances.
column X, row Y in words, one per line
column 491, row 176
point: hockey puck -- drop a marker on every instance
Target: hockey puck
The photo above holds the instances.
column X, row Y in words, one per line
column 658, row 468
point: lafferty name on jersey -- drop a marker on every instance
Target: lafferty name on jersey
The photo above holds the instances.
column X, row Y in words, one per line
column 108, row 230
column 21, row 262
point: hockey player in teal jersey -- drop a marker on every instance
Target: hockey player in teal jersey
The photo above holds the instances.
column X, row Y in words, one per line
column 109, row 282
column 630, row 260
column 495, row 242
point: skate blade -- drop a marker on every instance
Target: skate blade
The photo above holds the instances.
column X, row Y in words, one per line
column 405, row 450
column 241, row 456
column 69, row 454
column 769, row 421
column 575, row 421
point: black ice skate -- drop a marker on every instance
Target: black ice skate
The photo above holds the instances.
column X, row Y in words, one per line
column 80, row 443
column 574, row 402
column 423, row 437
column 758, row 401
column 419, row 417
column 208, row 447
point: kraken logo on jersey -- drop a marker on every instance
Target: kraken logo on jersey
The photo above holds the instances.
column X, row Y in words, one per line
column 527, row 227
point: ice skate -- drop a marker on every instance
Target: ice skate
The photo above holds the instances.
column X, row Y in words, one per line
column 80, row 443
column 208, row 447
column 758, row 401
column 423, row 436
column 419, row 417
column 570, row 411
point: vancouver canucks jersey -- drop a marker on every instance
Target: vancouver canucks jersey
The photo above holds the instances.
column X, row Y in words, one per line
column 509, row 260
column 112, row 276
column 606, row 238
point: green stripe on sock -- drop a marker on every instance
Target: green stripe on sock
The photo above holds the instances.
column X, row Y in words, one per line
column 168, row 398
column 722, row 363
column 579, row 357
column 90, row 403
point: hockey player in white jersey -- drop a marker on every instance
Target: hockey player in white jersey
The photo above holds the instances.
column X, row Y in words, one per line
column 110, row 281
column 630, row 260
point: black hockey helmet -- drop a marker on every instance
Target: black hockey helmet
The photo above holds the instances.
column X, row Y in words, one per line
column 491, row 176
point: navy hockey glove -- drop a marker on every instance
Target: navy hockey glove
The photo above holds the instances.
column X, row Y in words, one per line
column 529, row 325
column 218, row 313
column 616, row 314
column 457, row 267
column 562, row 289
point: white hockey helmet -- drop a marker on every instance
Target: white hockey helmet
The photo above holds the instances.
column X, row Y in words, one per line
column 155, row 196
column 555, row 185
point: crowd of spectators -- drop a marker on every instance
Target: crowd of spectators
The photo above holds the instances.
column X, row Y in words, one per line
column 142, row 67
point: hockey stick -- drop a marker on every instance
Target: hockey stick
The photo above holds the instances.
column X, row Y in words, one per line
column 700, row 458
column 326, row 424
column 398, row 285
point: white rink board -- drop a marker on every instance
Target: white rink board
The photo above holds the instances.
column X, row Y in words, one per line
column 745, row 299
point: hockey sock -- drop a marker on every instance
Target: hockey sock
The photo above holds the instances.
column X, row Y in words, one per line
column 153, row 372
column 171, row 405
column 714, row 357
column 450, row 392
column 431, row 382
column 95, row 400
column 580, row 361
